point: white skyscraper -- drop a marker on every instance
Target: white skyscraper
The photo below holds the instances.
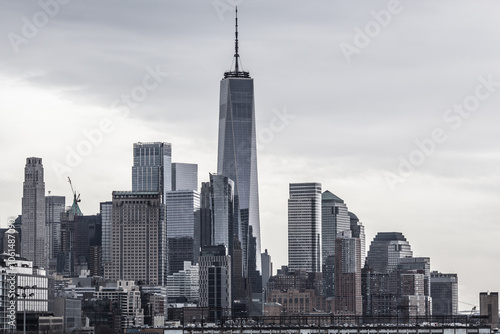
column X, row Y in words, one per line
column 304, row 227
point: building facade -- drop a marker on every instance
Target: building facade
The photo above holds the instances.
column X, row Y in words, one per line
column 184, row 176
column 304, row 227
column 444, row 293
column 348, row 298
column 183, row 241
column 334, row 220
column 33, row 229
column 138, row 238
column 54, row 207
column 152, row 168
column 237, row 159
column 215, row 281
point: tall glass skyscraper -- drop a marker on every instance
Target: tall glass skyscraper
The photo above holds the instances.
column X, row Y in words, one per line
column 152, row 169
column 237, row 158
column 304, row 227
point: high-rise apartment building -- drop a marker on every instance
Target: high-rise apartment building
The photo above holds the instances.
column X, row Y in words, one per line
column 152, row 168
column 237, row 157
column 304, row 227
column 33, row 229
column 54, row 207
column 444, row 293
column 138, row 238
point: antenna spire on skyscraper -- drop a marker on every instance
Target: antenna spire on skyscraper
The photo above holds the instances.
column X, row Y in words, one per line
column 236, row 55
column 236, row 72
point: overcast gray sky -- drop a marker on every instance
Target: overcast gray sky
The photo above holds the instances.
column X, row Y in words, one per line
column 391, row 105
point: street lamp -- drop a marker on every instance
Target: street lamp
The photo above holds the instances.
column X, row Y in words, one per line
column 24, row 295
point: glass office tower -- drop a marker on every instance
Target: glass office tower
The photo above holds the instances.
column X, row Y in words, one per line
column 152, row 169
column 304, row 227
column 237, row 159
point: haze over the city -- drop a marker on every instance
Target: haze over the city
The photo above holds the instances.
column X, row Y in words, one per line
column 391, row 105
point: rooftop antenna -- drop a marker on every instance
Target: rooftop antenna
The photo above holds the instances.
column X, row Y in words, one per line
column 236, row 55
column 236, row 72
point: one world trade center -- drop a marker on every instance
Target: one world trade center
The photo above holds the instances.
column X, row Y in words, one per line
column 237, row 159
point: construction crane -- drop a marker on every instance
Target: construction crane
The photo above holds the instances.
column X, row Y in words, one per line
column 474, row 308
column 76, row 199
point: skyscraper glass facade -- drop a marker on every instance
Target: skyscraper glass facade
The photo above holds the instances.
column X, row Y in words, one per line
column 237, row 157
column 152, row 170
column 304, row 227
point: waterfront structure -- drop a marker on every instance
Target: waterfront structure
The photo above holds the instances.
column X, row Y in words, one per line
column 152, row 168
column 138, row 238
column 348, row 299
column 304, row 227
column 444, row 293
column 54, row 207
column 33, row 229
column 237, row 159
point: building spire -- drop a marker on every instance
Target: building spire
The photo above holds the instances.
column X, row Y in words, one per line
column 236, row 72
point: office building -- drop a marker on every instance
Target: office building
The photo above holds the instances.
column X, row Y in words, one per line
column 215, row 281
column 33, row 229
column 386, row 249
column 334, row 220
column 348, row 299
column 267, row 268
column 182, row 228
column 184, row 176
column 105, row 212
column 152, row 168
column 34, row 297
column 138, row 238
column 237, row 158
column 54, row 207
column 185, row 283
column 488, row 307
column 358, row 231
column 304, row 227
column 444, row 293
column 127, row 296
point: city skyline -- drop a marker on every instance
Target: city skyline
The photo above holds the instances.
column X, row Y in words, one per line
column 320, row 118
